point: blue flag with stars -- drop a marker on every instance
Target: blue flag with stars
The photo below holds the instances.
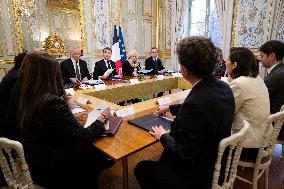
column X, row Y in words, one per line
column 122, row 46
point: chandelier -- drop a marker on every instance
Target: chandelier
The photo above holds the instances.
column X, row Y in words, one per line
column 26, row 7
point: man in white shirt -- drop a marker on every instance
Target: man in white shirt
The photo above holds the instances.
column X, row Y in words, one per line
column 74, row 69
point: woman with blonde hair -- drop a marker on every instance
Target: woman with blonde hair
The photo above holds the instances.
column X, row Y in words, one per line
column 131, row 65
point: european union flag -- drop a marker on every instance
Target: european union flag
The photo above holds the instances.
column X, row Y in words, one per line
column 122, row 46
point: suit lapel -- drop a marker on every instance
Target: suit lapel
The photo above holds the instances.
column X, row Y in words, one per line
column 71, row 67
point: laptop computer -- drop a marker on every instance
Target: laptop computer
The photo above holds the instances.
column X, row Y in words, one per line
column 148, row 121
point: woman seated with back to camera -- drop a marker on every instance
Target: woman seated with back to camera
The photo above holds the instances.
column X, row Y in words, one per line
column 131, row 65
column 251, row 98
column 58, row 149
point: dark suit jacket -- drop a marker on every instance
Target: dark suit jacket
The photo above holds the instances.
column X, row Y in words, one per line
column 127, row 69
column 68, row 71
column 100, row 69
column 275, row 85
column 6, row 86
column 150, row 64
column 201, row 122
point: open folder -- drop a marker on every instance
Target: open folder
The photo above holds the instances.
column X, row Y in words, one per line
column 148, row 121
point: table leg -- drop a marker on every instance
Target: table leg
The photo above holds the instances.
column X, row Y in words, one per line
column 125, row 172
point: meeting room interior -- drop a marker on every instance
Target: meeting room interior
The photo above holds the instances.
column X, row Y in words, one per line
column 142, row 94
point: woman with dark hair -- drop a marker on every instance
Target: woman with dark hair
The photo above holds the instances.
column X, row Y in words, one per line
column 251, row 97
column 57, row 148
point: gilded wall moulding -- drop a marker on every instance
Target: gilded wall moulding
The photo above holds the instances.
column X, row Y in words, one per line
column 64, row 5
column 54, row 45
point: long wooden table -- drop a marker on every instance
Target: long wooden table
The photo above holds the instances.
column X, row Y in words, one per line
column 130, row 139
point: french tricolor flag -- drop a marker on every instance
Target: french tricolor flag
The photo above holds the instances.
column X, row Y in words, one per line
column 116, row 57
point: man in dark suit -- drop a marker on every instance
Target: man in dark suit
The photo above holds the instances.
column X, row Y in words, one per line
column 74, row 69
column 202, row 121
column 154, row 62
column 271, row 56
column 105, row 68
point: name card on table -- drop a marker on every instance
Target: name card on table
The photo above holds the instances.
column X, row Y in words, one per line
column 125, row 112
column 82, row 100
column 176, row 74
column 160, row 77
column 100, row 86
column 77, row 110
column 164, row 101
column 134, row 81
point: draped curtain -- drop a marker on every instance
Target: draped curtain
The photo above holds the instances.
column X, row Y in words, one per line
column 180, row 7
column 225, row 11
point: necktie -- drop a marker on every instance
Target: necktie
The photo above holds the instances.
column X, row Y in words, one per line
column 108, row 65
column 77, row 71
column 156, row 65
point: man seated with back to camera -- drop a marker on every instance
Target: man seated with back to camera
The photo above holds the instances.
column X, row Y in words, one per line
column 201, row 122
column 155, row 64
column 102, row 67
column 74, row 69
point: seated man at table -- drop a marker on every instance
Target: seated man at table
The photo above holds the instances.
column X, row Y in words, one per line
column 202, row 121
column 74, row 69
column 105, row 68
column 154, row 63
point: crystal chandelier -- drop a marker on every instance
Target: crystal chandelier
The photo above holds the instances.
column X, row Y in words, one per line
column 26, row 7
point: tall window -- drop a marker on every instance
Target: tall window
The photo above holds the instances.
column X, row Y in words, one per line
column 202, row 19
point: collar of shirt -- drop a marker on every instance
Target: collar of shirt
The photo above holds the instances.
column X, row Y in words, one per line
column 271, row 68
column 106, row 62
column 74, row 64
column 155, row 59
column 195, row 83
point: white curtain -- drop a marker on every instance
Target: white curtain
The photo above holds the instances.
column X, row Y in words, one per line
column 225, row 15
column 179, row 9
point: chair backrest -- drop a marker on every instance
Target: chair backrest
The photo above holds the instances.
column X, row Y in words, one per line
column 234, row 144
column 13, row 164
column 274, row 123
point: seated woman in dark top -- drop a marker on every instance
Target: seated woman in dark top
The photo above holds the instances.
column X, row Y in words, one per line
column 6, row 86
column 131, row 66
column 57, row 148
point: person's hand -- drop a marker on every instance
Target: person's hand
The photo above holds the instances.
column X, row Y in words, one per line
column 106, row 113
column 162, row 71
column 74, row 80
column 81, row 117
column 158, row 131
column 134, row 73
column 162, row 110
column 68, row 97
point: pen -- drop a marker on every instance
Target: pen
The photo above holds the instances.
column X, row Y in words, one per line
column 102, row 109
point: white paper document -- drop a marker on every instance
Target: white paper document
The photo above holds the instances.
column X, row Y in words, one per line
column 82, row 100
column 95, row 113
column 77, row 110
column 160, row 77
column 134, row 81
column 70, row 91
column 164, row 101
column 176, row 74
column 125, row 112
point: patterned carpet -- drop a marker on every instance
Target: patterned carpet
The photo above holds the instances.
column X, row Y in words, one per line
column 112, row 178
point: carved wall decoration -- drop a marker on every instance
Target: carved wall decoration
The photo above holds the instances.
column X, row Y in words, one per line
column 67, row 5
column 102, row 24
column 54, row 45
column 168, row 29
column 252, row 22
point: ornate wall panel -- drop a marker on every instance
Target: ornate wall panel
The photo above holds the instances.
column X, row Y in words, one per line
column 132, row 6
column 132, row 31
column 102, row 23
column 168, row 25
column 147, row 7
column 147, row 30
column 277, row 31
column 252, row 21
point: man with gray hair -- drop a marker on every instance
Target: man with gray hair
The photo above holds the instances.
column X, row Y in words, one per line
column 74, row 69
